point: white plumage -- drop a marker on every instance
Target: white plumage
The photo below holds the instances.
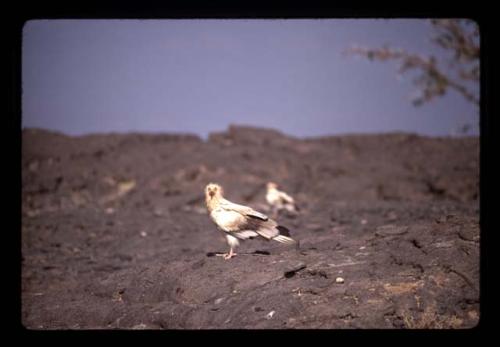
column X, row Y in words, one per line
column 279, row 200
column 240, row 222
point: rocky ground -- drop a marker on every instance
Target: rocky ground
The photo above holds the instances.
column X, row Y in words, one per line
column 115, row 234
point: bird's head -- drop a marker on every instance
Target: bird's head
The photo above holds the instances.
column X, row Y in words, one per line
column 271, row 185
column 212, row 190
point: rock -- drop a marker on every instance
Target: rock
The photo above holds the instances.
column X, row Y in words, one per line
column 339, row 280
column 391, row 216
column 391, row 230
column 33, row 166
column 159, row 212
column 468, row 235
column 141, row 326
column 291, row 271
column 340, row 229
column 314, row 226
column 444, row 244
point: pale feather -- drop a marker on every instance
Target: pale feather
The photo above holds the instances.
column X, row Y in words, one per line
column 227, row 220
column 241, row 222
column 284, row 239
column 244, row 210
column 287, row 198
column 232, row 241
column 244, row 234
column 280, row 199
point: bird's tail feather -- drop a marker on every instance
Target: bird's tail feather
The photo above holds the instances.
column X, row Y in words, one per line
column 284, row 236
column 284, row 239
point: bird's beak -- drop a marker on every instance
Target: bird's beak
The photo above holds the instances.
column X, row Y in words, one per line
column 211, row 193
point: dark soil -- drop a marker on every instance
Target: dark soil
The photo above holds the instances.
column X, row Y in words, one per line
column 115, row 233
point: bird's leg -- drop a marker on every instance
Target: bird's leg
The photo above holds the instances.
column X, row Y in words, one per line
column 275, row 212
column 230, row 254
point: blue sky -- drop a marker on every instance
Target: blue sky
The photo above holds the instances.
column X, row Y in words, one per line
column 199, row 76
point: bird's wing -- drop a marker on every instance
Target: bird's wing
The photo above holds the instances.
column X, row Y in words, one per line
column 244, row 210
column 267, row 232
column 244, row 222
column 244, row 234
column 286, row 198
column 265, row 228
column 228, row 220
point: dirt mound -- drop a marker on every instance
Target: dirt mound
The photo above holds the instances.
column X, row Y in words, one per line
column 115, row 233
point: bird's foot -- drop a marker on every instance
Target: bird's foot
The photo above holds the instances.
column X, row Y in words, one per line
column 229, row 255
column 226, row 256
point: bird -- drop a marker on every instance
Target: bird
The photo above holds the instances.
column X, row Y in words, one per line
column 239, row 222
column 279, row 200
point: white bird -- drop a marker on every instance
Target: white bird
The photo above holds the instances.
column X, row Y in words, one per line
column 239, row 222
column 279, row 200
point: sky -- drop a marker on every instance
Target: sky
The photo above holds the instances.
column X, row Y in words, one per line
column 201, row 75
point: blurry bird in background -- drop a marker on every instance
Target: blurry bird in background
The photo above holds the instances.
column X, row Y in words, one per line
column 279, row 200
column 239, row 222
